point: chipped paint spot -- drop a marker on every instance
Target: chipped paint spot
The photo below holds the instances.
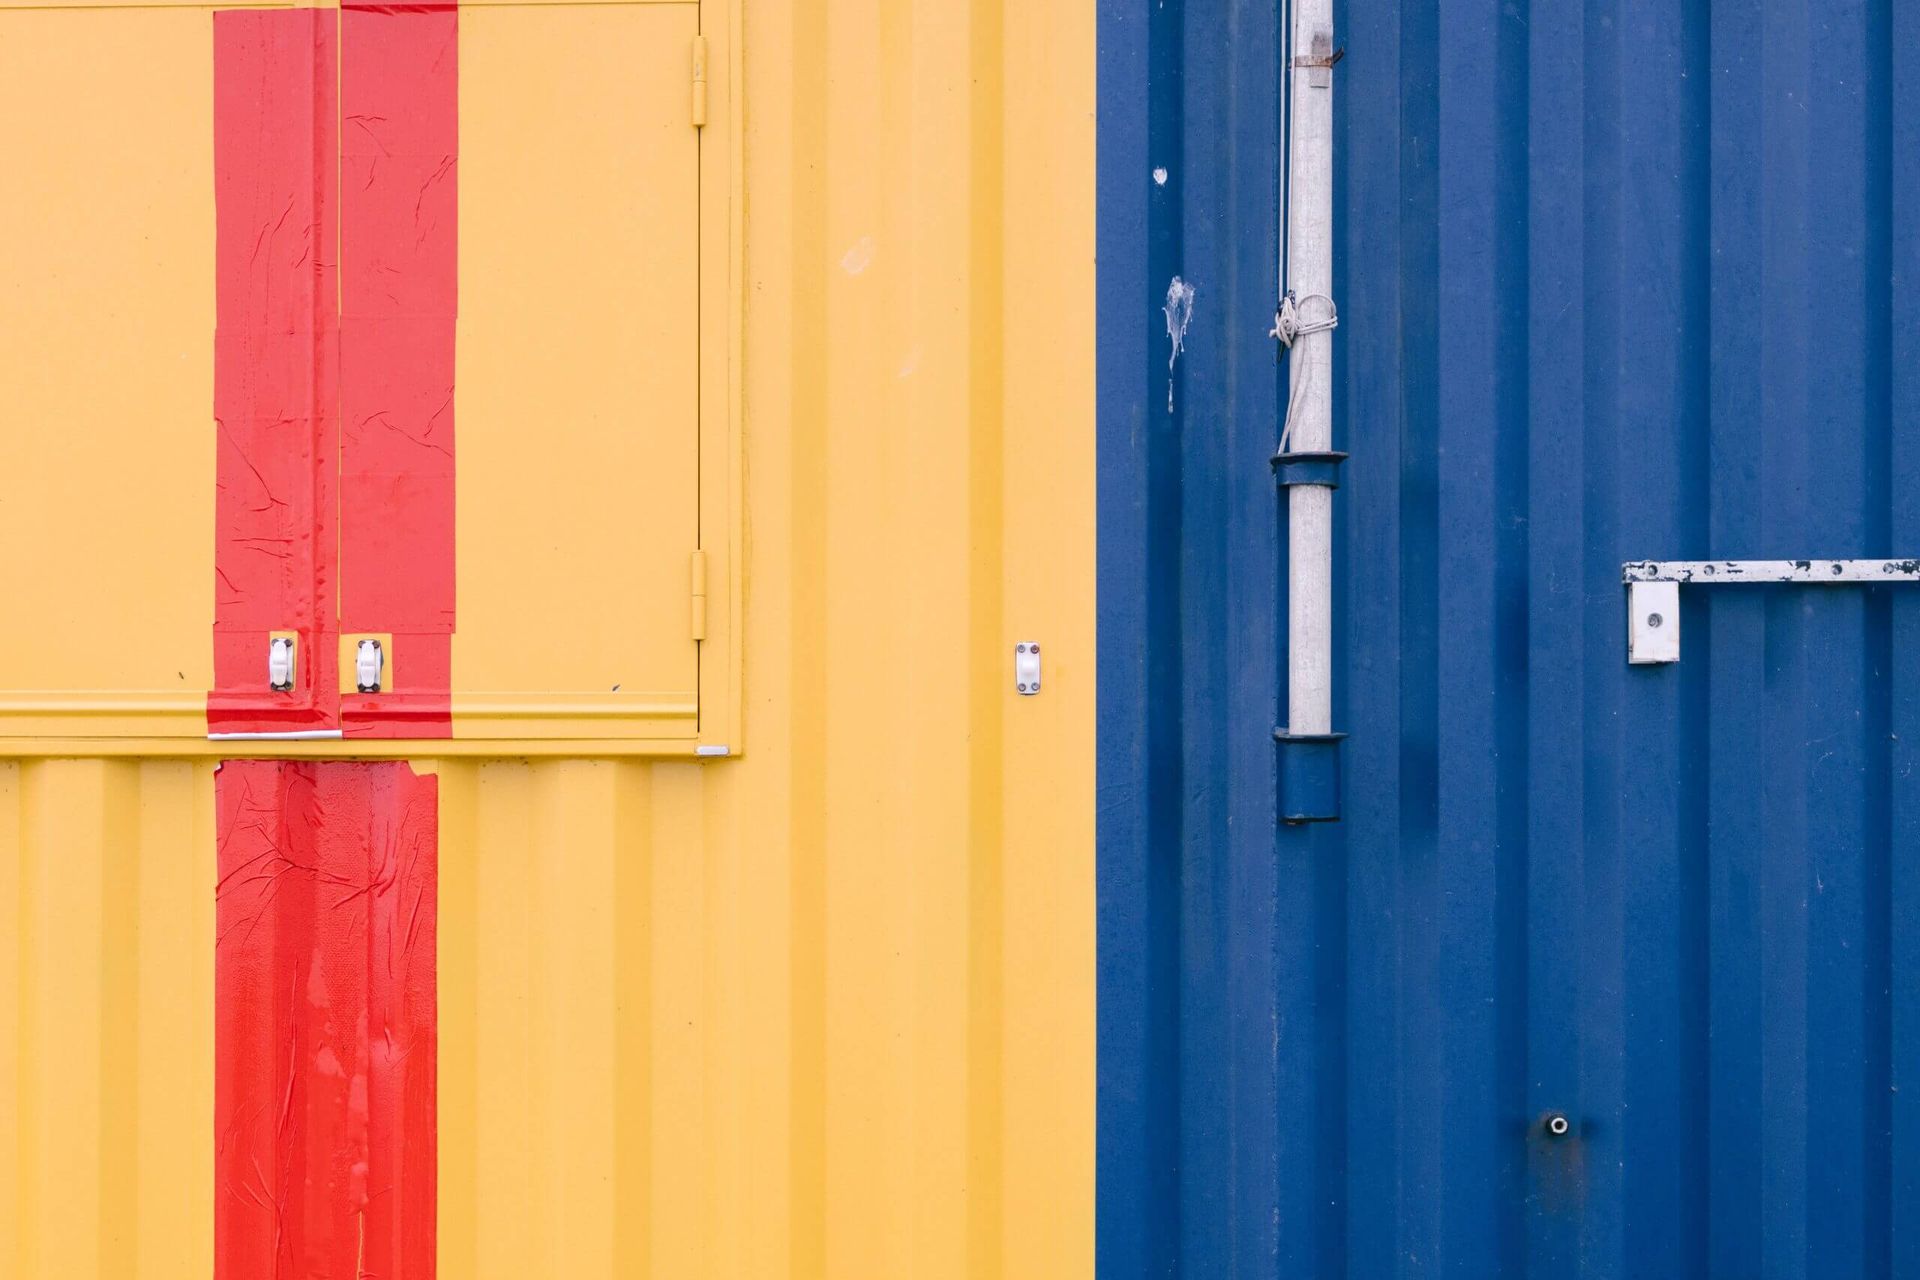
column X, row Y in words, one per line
column 1179, row 316
column 1160, row 176
column 859, row 257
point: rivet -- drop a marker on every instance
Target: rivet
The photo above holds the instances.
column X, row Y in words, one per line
column 1558, row 1126
column 1654, row 620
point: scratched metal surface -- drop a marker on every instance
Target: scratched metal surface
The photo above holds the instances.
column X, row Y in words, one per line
column 1616, row 283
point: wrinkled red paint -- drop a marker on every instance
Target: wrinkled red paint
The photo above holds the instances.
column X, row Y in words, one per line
column 325, row 1010
column 276, row 364
column 337, row 264
column 334, row 307
column 399, row 107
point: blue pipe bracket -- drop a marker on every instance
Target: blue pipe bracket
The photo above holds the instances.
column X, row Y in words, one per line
column 1321, row 468
column 1309, row 769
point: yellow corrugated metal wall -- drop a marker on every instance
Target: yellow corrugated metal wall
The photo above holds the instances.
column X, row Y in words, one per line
column 826, row 1010
column 106, row 992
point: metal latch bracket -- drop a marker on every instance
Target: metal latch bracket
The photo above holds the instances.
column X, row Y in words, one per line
column 1653, row 591
column 1026, row 668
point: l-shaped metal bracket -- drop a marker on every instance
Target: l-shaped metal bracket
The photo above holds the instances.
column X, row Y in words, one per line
column 1653, row 590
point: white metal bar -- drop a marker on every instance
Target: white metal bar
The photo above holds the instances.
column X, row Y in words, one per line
column 1309, row 270
column 1702, row 572
column 291, row 735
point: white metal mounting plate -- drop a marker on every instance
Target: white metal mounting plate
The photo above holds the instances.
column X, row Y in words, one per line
column 1026, row 668
column 368, row 663
column 281, row 653
column 1653, row 622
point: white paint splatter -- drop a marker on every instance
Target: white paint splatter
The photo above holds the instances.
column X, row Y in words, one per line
column 1160, row 176
column 1179, row 316
column 859, row 257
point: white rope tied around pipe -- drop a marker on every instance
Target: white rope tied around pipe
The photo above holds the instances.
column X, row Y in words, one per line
column 1288, row 323
column 1289, row 327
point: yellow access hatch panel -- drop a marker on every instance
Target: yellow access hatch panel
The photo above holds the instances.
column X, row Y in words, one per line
column 404, row 323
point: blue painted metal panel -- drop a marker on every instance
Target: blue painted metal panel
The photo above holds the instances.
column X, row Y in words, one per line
column 1617, row 281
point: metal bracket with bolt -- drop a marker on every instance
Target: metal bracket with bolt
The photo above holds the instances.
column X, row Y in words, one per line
column 1026, row 668
column 369, row 662
column 1653, row 591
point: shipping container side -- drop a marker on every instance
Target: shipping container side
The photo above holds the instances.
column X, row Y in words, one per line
column 1614, row 283
column 826, row 1009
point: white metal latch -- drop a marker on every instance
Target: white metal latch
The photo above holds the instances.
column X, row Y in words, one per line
column 1653, row 590
column 1653, row 622
column 280, row 663
column 1026, row 668
column 368, row 661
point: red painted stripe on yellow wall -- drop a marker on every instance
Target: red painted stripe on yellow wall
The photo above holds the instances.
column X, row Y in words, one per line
column 336, row 150
column 326, row 1022
column 276, row 393
column 399, row 88
column 333, row 396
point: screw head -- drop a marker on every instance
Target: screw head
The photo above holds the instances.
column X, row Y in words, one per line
column 1654, row 620
column 1023, row 688
column 1557, row 1125
column 1033, row 648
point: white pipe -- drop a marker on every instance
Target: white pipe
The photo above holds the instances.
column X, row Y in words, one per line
column 1309, row 271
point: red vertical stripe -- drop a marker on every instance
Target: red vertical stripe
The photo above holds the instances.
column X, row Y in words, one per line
column 325, row 1080
column 334, row 360
column 330, row 312
column 275, row 364
column 400, row 109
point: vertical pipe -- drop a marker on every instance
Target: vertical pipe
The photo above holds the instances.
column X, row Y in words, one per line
column 1309, row 271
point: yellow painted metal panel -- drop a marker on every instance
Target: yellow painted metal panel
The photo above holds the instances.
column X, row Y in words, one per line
column 106, row 988
column 577, row 392
column 106, row 370
column 824, row 1011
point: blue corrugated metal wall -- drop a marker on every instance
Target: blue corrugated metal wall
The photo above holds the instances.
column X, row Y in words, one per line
column 1616, row 281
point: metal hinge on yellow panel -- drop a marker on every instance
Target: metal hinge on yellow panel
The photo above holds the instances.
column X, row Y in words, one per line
column 699, row 595
column 699, row 82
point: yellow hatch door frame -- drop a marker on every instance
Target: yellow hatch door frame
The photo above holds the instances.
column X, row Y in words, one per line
column 110, row 651
column 720, row 575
